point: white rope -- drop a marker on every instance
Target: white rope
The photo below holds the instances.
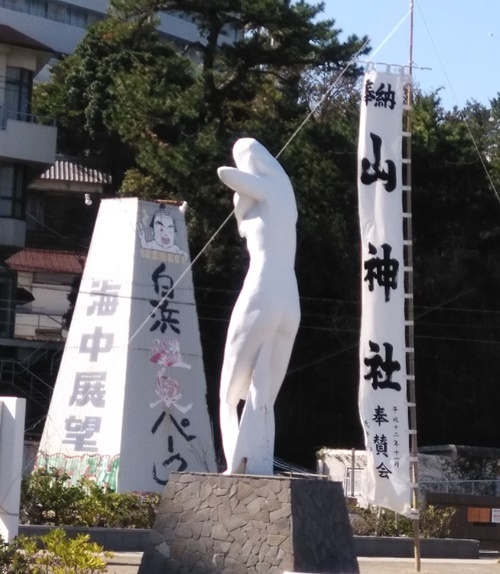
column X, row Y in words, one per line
column 474, row 143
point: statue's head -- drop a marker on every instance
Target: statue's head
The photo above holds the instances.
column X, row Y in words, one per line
column 252, row 157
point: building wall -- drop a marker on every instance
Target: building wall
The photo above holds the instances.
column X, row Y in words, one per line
column 63, row 35
column 473, row 517
column 60, row 37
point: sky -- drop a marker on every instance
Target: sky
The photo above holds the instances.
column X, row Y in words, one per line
column 456, row 43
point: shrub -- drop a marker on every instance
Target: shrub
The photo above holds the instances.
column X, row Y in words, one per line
column 47, row 497
column 18, row 557
column 372, row 521
column 53, row 553
column 106, row 508
column 62, row 555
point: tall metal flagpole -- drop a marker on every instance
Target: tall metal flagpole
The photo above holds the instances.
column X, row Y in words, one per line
column 407, row 209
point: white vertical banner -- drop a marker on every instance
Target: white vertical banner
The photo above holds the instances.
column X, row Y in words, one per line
column 383, row 402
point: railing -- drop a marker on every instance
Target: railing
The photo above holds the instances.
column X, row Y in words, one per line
column 44, row 351
column 38, row 325
column 14, row 373
column 6, row 114
column 472, row 487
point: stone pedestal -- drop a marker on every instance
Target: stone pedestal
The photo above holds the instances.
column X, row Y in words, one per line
column 244, row 524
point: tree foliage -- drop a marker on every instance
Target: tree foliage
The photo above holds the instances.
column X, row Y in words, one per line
column 456, row 219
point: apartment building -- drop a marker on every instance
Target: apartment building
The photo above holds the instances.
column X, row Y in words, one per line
column 62, row 24
column 48, row 204
column 27, row 149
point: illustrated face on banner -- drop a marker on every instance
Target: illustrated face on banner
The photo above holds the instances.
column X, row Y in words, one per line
column 160, row 233
column 163, row 230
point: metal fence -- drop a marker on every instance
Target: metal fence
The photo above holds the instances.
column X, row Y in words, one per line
column 472, row 487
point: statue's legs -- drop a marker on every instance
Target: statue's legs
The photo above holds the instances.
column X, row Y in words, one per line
column 235, row 382
column 255, row 439
column 229, row 424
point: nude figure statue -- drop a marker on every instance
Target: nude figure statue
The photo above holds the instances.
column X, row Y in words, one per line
column 266, row 315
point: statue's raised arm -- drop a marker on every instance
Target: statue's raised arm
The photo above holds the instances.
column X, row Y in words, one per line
column 266, row 316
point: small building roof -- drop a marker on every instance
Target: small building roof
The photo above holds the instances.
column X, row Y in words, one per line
column 13, row 37
column 74, row 170
column 47, row 261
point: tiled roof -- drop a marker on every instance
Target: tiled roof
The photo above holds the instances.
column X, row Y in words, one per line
column 13, row 37
column 47, row 261
column 75, row 170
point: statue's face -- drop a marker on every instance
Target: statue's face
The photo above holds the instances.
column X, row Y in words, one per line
column 164, row 230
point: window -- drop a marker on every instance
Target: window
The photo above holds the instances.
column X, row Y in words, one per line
column 35, row 213
column 11, row 190
column 76, row 17
column 6, row 306
column 57, row 11
column 11, row 4
column 36, row 7
column 18, row 84
column 478, row 515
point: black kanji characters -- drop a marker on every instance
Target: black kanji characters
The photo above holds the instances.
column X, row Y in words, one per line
column 378, row 367
column 383, row 470
column 382, row 97
column 164, row 315
column 380, row 415
column 371, row 171
column 380, row 442
column 383, row 270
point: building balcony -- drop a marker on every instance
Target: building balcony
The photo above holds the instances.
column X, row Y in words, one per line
column 39, row 327
column 27, row 138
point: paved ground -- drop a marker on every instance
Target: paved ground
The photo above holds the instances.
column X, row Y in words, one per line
column 124, row 563
column 128, row 563
column 427, row 566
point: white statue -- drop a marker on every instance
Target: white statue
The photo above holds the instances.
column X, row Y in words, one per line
column 266, row 316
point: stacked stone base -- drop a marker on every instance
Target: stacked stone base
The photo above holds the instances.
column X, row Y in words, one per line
column 243, row 524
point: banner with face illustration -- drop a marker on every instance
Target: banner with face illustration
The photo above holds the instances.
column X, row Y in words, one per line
column 383, row 401
column 129, row 405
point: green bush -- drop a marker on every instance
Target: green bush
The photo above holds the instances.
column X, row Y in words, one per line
column 18, row 557
column 53, row 553
column 62, row 555
column 47, row 497
column 373, row 521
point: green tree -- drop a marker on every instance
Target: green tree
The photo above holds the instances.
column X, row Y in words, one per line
column 456, row 217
